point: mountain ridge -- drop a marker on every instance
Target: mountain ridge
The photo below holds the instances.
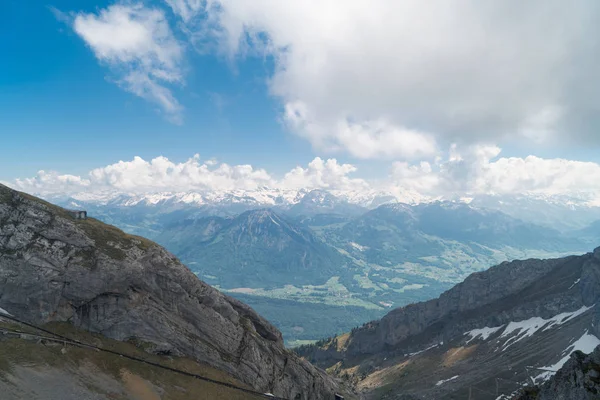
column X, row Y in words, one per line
column 54, row 268
column 503, row 321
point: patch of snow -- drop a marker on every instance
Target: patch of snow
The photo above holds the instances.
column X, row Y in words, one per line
column 3, row 311
column 485, row 333
column 509, row 396
column 424, row 350
column 529, row 327
column 275, row 222
column 413, row 286
column 358, row 246
column 574, row 283
column 446, row 380
column 586, row 343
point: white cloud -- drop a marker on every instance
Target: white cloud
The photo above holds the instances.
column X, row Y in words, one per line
column 363, row 139
column 466, row 172
column 162, row 174
column 379, row 78
column 186, row 9
column 323, row 175
column 51, row 182
column 137, row 44
column 478, row 170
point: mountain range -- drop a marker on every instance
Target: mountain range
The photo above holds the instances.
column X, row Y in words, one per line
column 517, row 330
column 342, row 256
column 559, row 212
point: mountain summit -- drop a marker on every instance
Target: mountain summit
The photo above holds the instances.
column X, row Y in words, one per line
column 54, row 268
column 256, row 249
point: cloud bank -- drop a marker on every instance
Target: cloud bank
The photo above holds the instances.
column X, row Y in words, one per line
column 472, row 171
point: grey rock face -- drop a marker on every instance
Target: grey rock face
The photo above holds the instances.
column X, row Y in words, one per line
column 479, row 289
column 578, row 379
column 56, row 268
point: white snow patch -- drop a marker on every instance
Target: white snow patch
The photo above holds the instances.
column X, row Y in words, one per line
column 275, row 222
column 586, row 343
column 3, row 311
column 446, row 380
column 483, row 332
column 424, row 350
column 358, row 246
column 574, row 283
column 529, row 327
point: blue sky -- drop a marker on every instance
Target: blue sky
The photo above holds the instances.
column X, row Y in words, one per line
column 60, row 111
column 404, row 95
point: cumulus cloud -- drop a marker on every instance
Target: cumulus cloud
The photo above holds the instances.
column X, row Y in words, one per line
column 137, row 44
column 463, row 172
column 391, row 79
column 323, row 175
column 479, row 170
column 49, row 182
column 161, row 174
column 363, row 139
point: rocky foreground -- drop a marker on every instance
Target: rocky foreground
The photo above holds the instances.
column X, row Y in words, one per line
column 54, row 268
column 578, row 379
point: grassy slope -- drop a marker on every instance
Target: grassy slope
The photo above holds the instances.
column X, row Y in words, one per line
column 128, row 379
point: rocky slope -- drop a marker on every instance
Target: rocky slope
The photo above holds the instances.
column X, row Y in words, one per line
column 497, row 331
column 54, row 268
column 42, row 369
column 578, row 379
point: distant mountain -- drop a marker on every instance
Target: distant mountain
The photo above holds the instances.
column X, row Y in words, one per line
column 590, row 234
column 434, row 233
column 510, row 326
column 322, row 202
column 557, row 212
column 329, row 250
column 466, row 223
column 257, row 249
column 564, row 213
column 251, row 199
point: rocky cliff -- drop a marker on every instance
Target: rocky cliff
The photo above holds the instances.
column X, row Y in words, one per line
column 485, row 336
column 55, row 268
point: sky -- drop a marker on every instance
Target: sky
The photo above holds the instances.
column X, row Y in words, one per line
column 458, row 98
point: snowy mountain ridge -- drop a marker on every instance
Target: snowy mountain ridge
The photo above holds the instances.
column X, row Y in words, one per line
column 266, row 196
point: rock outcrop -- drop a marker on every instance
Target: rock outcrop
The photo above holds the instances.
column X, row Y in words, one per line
column 56, row 268
column 578, row 379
